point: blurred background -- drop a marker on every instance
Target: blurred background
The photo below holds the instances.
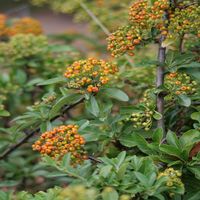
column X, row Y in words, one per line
column 52, row 22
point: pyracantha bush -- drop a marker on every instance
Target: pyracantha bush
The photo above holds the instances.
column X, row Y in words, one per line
column 146, row 147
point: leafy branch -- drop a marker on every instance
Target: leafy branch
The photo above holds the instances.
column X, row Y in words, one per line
column 32, row 133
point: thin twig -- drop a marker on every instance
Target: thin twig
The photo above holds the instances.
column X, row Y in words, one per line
column 188, row 5
column 96, row 20
column 32, row 133
column 101, row 25
column 94, row 159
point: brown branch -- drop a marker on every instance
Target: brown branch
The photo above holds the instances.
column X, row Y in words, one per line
column 160, row 82
column 32, row 133
column 94, row 159
column 188, row 5
column 181, row 43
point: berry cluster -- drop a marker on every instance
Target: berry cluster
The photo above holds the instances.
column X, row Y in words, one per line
column 139, row 13
column 173, row 177
column 25, row 25
column 60, row 141
column 2, row 25
column 49, row 99
column 143, row 118
column 180, row 83
column 184, row 20
column 89, row 74
column 124, row 41
column 142, row 14
column 142, row 17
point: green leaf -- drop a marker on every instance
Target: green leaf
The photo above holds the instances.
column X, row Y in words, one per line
column 173, row 140
column 171, row 150
column 127, row 140
column 142, row 178
column 66, row 161
column 134, row 139
column 195, row 171
column 190, row 137
column 8, row 183
column 157, row 135
column 128, row 110
column 184, row 100
column 159, row 196
column 53, row 81
column 122, row 170
column 55, row 175
column 92, row 106
column 83, row 125
column 196, row 116
column 6, row 195
column 120, row 158
column 157, row 115
column 104, row 172
column 195, row 196
column 4, row 113
column 115, row 94
column 20, row 76
column 66, row 100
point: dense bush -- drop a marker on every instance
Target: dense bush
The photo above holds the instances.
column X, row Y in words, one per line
column 122, row 129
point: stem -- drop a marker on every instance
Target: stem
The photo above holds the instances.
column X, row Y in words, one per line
column 96, row 20
column 101, row 25
column 160, row 82
column 181, row 43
